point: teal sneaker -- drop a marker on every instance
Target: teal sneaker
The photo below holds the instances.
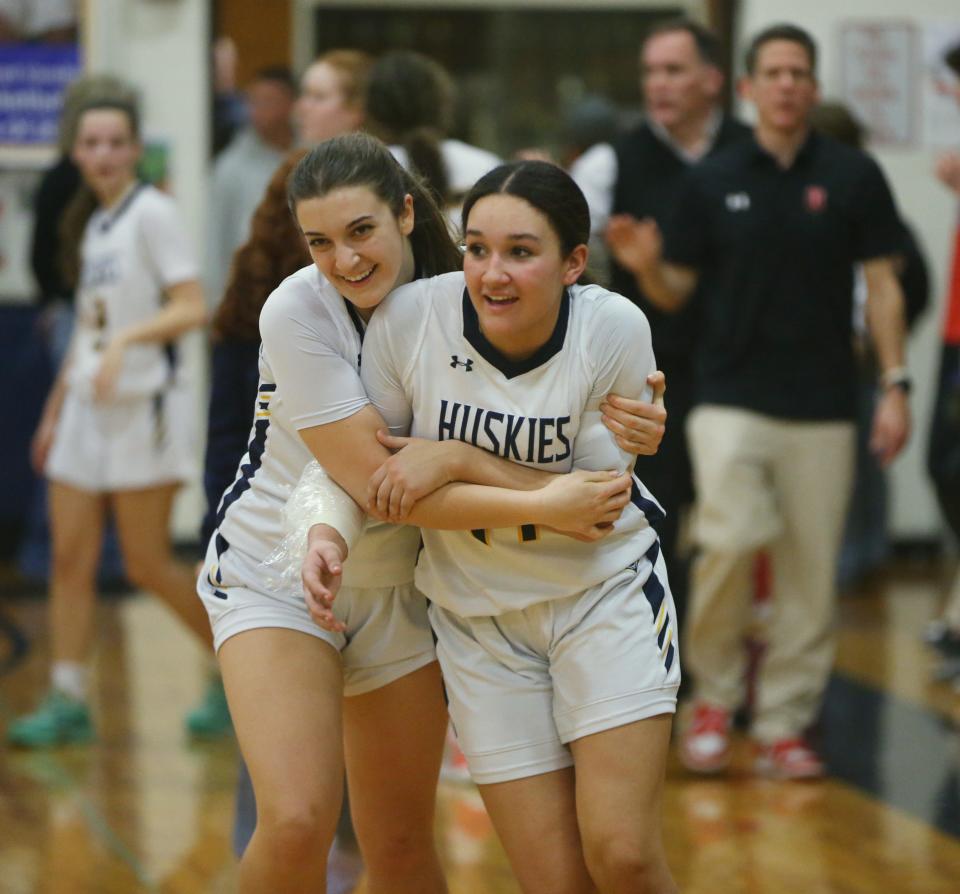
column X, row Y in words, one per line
column 211, row 718
column 58, row 720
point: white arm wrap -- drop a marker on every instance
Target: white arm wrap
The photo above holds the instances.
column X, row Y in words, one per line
column 316, row 500
column 319, row 500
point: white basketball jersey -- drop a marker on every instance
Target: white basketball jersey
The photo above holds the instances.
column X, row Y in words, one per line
column 309, row 375
column 430, row 371
column 465, row 164
column 129, row 255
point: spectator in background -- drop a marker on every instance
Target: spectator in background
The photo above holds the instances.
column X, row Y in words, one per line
column 591, row 121
column 48, row 21
column 332, row 101
column 865, row 542
column 409, row 106
column 57, row 187
column 631, row 186
column 243, row 170
column 56, row 190
column 114, row 431
column 588, row 122
column 227, row 106
column 772, row 228
column 333, row 95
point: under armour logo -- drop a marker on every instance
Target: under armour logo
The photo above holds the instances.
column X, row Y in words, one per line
column 455, row 361
column 738, row 201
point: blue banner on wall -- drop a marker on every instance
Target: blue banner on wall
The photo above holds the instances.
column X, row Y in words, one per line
column 32, row 80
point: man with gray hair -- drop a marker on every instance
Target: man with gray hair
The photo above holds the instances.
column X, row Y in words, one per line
column 772, row 229
column 631, row 185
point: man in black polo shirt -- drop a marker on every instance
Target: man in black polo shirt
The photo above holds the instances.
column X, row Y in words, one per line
column 772, row 229
column 631, row 186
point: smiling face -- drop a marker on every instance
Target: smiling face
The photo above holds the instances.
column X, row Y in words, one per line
column 106, row 151
column 516, row 273
column 358, row 243
column 783, row 86
column 322, row 109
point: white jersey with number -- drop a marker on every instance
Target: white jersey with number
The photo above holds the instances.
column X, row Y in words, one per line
column 309, row 375
column 130, row 254
column 430, row 372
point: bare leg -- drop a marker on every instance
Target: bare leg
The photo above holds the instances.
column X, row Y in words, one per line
column 285, row 693
column 620, row 776
column 76, row 525
column 143, row 523
column 394, row 744
column 536, row 819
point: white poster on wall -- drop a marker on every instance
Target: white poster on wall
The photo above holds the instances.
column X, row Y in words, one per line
column 941, row 84
column 878, row 78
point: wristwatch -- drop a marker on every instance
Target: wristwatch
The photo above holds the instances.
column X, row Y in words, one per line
column 897, row 377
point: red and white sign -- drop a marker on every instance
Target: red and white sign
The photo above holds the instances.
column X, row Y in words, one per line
column 879, row 78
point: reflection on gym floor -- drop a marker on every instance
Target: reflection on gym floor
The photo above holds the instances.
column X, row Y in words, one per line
column 143, row 810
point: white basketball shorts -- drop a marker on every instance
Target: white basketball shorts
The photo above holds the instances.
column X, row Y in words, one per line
column 523, row 684
column 388, row 633
column 128, row 444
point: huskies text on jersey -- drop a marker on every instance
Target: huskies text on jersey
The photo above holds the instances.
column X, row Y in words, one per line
column 527, row 439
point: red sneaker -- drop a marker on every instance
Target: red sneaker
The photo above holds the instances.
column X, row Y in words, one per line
column 705, row 746
column 454, row 767
column 788, row 759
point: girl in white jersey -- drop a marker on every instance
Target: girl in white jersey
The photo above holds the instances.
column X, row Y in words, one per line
column 115, row 431
column 560, row 658
column 284, row 682
column 410, row 102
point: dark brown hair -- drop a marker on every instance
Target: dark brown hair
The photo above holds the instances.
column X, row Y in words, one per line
column 544, row 186
column 81, row 207
column 784, row 31
column 358, row 159
column 410, row 103
column 276, row 74
column 80, row 94
column 837, row 121
column 708, row 44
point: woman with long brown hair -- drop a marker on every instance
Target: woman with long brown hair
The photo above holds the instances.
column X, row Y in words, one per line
column 332, row 95
column 114, row 432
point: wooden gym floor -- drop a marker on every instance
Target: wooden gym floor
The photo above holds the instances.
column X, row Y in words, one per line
column 144, row 810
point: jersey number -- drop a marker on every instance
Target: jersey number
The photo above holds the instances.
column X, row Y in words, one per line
column 525, row 534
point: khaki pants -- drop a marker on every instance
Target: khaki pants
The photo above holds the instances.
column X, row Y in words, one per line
column 783, row 485
column 951, row 610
